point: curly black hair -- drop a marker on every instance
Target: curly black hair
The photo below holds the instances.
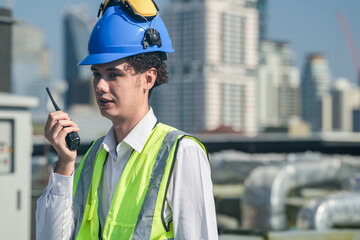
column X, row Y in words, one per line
column 144, row 61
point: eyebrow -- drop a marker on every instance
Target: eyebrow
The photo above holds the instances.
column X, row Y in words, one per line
column 108, row 69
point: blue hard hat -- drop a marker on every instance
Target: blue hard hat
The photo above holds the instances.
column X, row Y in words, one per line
column 117, row 35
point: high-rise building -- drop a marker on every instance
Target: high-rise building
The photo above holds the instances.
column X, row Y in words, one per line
column 356, row 120
column 326, row 113
column 278, row 85
column 213, row 69
column 77, row 29
column 262, row 8
column 31, row 63
column 315, row 83
column 345, row 98
column 5, row 49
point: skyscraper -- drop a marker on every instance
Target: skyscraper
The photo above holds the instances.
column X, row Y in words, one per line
column 262, row 8
column 315, row 84
column 278, row 85
column 77, row 29
column 213, row 69
column 31, row 63
column 345, row 98
column 5, row 49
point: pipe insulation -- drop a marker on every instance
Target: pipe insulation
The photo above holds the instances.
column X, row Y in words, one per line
column 341, row 209
column 266, row 188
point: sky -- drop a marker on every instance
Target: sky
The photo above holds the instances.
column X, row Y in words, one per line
column 310, row 26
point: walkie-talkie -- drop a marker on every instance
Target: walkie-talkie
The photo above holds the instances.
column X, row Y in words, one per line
column 72, row 139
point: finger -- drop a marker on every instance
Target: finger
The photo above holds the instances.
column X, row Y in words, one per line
column 68, row 130
column 58, row 115
column 65, row 131
column 54, row 117
column 49, row 124
column 67, row 123
column 60, row 125
column 55, row 130
column 52, row 128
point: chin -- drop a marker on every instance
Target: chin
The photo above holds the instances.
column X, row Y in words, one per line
column 106, row 113
column 109, row 115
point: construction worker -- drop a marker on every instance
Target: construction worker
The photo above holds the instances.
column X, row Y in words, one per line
column 144, row 179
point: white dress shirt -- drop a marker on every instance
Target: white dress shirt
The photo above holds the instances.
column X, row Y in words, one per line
column 189, row 200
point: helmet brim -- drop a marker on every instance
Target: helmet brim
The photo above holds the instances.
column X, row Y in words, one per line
column 102, row 58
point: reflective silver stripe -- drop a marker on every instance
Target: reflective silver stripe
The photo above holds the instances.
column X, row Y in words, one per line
column 83, row 186
column 143, row 225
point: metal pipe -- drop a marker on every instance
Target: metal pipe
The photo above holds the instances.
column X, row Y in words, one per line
column 263, row 203
column 341, row 209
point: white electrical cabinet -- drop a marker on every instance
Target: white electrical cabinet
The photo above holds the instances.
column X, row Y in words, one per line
column 15, row 166
column 6, row 146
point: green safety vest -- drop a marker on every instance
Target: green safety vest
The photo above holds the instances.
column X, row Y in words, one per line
column 136, row 210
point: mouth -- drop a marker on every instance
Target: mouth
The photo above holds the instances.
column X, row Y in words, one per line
column 103, row 102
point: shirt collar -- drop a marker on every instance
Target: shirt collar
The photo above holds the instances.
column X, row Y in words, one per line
column 136, row 138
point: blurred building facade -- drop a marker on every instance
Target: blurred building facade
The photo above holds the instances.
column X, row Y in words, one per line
column 77, row 29
column 328, row 106
column 278, row 85
column 315, row 86
column 356, row 120
column 31, row 64
column 345, row 102
column 6, row 22
column 326, row 113
column 213, row 69
column 262, row 6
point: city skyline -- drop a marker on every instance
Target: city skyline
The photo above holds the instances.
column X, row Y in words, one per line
column 313, row 27
column 319, row 31
column 221, row 74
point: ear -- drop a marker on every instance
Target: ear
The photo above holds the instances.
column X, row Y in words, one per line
column 150, row 78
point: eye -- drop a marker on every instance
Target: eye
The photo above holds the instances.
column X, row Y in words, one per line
column 96, row 74
column 113, row 76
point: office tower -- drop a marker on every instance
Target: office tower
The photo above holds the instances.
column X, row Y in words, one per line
column 31, row 64
column 77, row 29
column 213, row 69
column 326, row 113
column 345, row 98
column 262, row 8
column 356, row 120
column 315, row 83
column 5, row 49
column 278, row 85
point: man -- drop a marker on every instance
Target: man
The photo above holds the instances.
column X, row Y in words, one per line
column 144, row 179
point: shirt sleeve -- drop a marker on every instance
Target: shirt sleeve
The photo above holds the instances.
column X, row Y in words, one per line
column 190, row 194
column 54, row 215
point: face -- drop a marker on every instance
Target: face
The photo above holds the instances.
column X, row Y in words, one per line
column 121, row 94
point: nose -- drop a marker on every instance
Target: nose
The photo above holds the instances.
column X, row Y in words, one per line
column 101, row 85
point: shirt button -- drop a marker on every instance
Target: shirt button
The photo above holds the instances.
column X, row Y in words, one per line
column 58, row 184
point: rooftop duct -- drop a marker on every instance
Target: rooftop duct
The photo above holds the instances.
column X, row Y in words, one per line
column 341, row 209
column 263, row 204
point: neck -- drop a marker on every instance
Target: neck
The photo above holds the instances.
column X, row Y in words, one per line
column 123, row 126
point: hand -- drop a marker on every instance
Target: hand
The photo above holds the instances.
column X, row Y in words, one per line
column 58, row 125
